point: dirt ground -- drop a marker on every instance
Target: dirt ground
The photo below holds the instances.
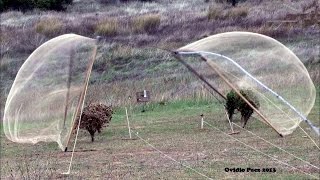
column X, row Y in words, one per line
column 177, row 149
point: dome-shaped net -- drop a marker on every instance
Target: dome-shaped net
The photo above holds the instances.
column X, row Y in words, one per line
column 269, row 62
column 46, row 92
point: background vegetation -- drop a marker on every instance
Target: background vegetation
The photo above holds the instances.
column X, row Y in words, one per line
column 131, row 58
column 25, row 5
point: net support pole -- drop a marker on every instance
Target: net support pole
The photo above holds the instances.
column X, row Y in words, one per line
column 213, row 66
column 176, row 55
column 303, row 117
column 82, row 97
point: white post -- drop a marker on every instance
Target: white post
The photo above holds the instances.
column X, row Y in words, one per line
column 201, row 127
column 128, row 123
column 144, row 93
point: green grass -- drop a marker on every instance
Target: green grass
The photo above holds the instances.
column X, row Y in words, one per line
column 172, row 128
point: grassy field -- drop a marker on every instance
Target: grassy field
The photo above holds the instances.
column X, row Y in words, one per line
column 173, row 129
column 169, row 143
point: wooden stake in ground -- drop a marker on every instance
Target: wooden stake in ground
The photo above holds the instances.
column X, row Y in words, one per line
column 201, row 126
column 128, row 123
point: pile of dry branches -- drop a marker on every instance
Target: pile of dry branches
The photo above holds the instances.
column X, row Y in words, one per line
column 95, row 117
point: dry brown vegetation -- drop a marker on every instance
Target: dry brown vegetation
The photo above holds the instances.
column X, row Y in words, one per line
column 128, row 62
column 146, row 23
column 49, row 27
column 108, row 27
column 217, row 13
column 94, row 118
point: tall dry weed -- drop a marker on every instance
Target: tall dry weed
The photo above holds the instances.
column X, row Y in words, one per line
column 146, row 23
column 107, row 27
column 49, row 27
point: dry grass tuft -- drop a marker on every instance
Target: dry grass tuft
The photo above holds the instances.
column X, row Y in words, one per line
column 217, row 13
column 49, row 27
column 146, row 23
column 238, row 12
column 107, row 27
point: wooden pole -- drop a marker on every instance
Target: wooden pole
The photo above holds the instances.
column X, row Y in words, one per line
column 82, row 96
column 68, row 88
column 128, row 123
column 213, row 66
column 198, row 75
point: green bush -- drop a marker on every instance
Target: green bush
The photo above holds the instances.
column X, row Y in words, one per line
column 25, row 5
column 235, row 102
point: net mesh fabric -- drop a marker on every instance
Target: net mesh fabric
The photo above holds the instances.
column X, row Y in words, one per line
column 43, row 98
column 267, row 60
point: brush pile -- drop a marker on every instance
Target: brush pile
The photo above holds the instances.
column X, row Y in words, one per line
column 235, row 102
column 94, row 118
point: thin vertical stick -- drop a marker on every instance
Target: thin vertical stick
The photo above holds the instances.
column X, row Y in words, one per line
column 229, row 120
column 128, row 123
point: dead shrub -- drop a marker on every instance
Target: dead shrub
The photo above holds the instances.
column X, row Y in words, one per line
column 94, row 118
column 146, row 23
column 107, row 27
column 49, row 27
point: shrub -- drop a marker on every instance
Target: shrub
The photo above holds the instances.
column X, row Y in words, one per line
column 234, row 101
column 107, row 28
column 49, row 27
column 146, row 23
column 25, row 5
column 94, row 118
